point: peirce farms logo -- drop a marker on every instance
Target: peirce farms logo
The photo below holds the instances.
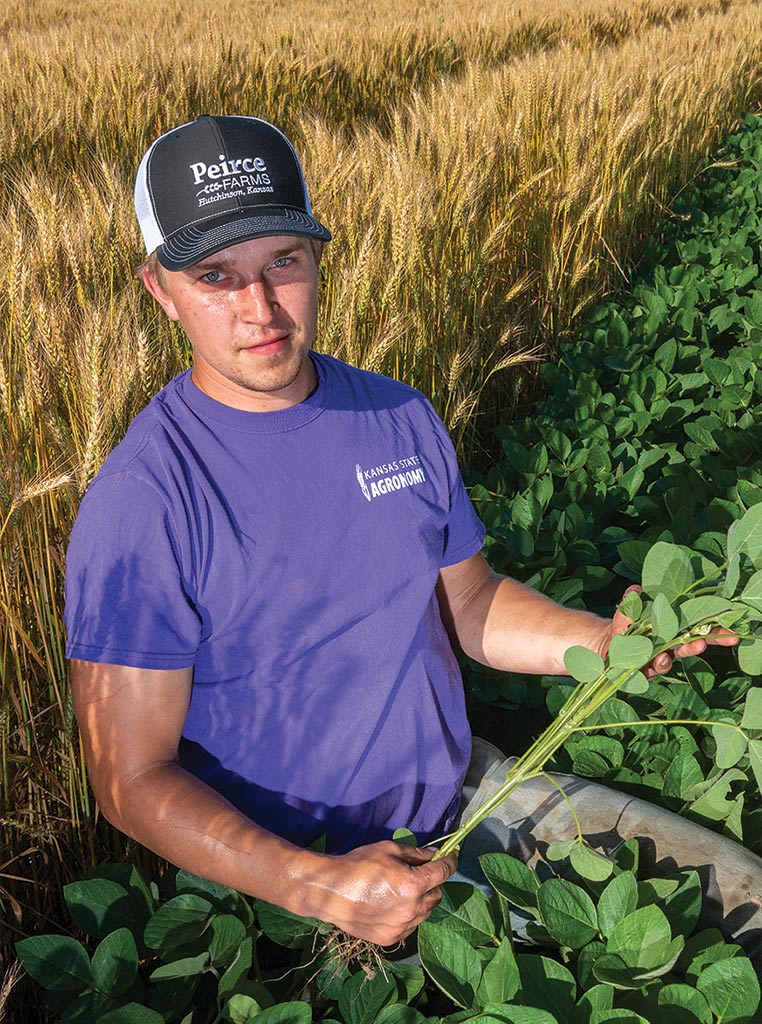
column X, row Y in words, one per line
column 390, row 477
column 231, row 178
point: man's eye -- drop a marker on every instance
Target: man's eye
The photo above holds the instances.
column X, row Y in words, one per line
column 282, row 261
column 212, row 277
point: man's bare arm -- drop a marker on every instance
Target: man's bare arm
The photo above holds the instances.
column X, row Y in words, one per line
column 504, row 624
column 131, row 721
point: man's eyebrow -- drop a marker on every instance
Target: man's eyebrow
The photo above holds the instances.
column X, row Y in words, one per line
column 221, row 264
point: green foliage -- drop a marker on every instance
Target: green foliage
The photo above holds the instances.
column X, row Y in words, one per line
column 616, row 946
column 645, row 464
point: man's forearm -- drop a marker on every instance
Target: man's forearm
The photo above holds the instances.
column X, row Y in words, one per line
column 182, row 819
column 511, row 627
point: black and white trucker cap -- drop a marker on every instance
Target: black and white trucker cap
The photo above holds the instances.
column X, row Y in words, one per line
column 217, row 181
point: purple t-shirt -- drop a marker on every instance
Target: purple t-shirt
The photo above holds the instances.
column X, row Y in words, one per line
column 290, row 558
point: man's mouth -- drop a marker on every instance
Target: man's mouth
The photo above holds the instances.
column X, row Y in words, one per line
column 268, row 348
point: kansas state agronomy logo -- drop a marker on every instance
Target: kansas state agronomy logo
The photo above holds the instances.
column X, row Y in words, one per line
column 231, row 178
column 390, row 477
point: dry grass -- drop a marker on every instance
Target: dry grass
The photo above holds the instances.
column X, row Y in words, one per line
column 486, row 179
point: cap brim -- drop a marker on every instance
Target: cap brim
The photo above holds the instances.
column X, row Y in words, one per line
column 191, row 245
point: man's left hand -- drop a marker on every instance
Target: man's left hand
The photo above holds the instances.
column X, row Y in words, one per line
column 662, row 663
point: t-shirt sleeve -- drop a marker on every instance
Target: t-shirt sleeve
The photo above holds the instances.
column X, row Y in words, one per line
column 464, row 535
column 128, row 600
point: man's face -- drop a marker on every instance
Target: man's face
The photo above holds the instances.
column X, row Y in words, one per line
column 250, row 313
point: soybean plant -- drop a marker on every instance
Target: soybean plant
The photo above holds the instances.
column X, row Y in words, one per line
column 687, row 593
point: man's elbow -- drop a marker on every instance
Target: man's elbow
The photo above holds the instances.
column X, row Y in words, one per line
column 125, row 799
column 111, row 798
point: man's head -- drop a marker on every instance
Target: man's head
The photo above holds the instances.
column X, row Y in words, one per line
column 216, row 181
column 233, row 256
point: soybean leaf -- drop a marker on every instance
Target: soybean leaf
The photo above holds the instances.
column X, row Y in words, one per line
column 697, row 946
column 752, row 709
column 711, row 955
column 598, row 997
column 361, row 998
column 588, row 957
column 627, row 855
column 87, row 1007
column 285, row 928
column 683, row 907
column 755, row 760
column 179, row 920
column 671, row 955
column 589, row 763
column 128, row 876
column 186, row 881
column 500, row 980
column 404, row 837
column 173, row 996
column 682, row 777
column 238, row 969
column 512, row 879
column 694, row 1007
column 410, row 979
column 465, row 910
column 583, row 664
column 288, row 1013
column 731, row 988
column 115, row 963
column 666, row 624
column 590, row 864
column 187, row 967
column 714, row 803
column 635, row 683
column 642, row 939
column 241, row 1008
column 398, row 1013
column 632, row 605
column 656, row 890
column 567, row 912
column 615, row 710
column 703, row 609
column 612, row 970
column 511, row 1015
column 608, row 747
column 451, row 963
column 732, row 576
column 752, row 592
column 100, row 906
column 560, row 849
column 56, row 961
column 621, row 1016
column 228, row 932
column 630, row 651
column 745, row 535
column 667, row 570
column 750, row 656
column 547, row 985
column 731, row 746
column 131, row 1013
column 618, row 899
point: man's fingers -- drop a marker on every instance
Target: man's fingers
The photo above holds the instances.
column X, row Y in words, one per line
column 440, row 870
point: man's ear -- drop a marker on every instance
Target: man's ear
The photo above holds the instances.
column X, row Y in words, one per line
column 153, row 285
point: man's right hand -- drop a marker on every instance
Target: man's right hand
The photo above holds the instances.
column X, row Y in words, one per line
column 379, row 892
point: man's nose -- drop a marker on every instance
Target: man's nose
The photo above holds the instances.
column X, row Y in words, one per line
column 257, row 302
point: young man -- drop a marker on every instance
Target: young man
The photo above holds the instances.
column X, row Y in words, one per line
column 264, row 578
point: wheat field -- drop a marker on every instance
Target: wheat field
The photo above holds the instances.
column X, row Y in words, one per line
column 486, row 176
